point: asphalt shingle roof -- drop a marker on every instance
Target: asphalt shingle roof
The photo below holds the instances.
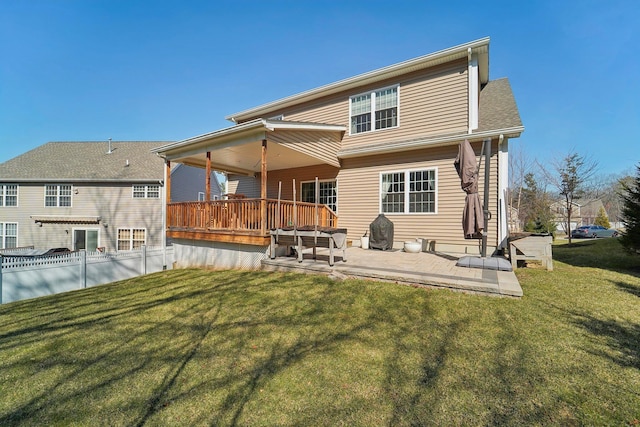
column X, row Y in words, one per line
column 498, row 109
column 88, row 160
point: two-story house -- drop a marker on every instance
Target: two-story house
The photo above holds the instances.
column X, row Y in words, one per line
column 383, row 142
column 90, row 195
column 583, row 212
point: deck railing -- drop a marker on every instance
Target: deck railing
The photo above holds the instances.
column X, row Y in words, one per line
column 244, row 215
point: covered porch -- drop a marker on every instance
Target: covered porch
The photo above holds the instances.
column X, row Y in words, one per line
column 252, row 149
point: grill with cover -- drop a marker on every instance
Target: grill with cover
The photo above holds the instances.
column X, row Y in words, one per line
column 381, row 233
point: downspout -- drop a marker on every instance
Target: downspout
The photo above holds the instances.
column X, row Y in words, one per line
column 164, row 220
column 473, row 89
column 503, row 186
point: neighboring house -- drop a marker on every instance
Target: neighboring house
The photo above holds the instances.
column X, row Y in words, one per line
column 559, row 212
column 88, row 195
column 514, row 220
column 589, row 210
column 584, row 212
column 195, row 177
column 380, row 142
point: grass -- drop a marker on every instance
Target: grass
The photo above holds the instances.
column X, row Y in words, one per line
column 194, row 347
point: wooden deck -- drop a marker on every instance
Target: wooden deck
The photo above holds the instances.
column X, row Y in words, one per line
column 245, row 221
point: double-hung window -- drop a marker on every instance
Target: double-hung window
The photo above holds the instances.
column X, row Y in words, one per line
column 410, row 191
column 374, row 110
column 327, row 193
column 8, row 235
column 57, row 195
column 146, row 191
column 131, row 238
column 8, row 195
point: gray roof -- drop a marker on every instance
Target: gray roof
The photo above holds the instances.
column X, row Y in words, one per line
column 87, row 161
column 498, row 109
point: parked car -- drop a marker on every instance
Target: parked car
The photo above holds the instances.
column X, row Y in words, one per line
column 593, row 231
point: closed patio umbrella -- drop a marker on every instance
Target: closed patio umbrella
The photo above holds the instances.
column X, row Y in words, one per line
column 472, row 215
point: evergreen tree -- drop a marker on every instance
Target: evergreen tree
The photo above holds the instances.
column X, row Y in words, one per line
column 631, row 214
column 602, row 218
column 536, row 207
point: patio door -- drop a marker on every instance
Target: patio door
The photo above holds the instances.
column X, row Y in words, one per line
column 86, row 239
column 328, row 193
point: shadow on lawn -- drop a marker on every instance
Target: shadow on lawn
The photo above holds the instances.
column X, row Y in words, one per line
column 124, row 354
column 622, row 339
column 628, row 287
column 605, row 254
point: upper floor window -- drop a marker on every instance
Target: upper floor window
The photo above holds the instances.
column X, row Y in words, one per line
column 146, row 191
column 8, row 194
column 8, row 235
column 327, row 193
column 57, row 195
column 374, row 110
column 412, row 191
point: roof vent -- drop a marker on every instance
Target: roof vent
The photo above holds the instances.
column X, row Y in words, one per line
column 126, row 163
column 110, row 150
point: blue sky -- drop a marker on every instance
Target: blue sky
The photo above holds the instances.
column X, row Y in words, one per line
column 168, row 70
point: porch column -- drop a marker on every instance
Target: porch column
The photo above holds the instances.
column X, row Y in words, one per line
column 263, row 189
column 207, row 187
column 167, row 189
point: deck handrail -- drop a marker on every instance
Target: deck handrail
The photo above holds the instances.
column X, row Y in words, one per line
column 244, row 215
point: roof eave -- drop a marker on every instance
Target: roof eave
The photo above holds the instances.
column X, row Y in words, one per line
column 253, row 129
column 513, row 132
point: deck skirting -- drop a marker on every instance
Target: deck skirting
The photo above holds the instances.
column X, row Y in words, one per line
column 218, row 255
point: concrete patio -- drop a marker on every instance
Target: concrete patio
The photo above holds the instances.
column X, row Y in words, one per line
column 427, row 269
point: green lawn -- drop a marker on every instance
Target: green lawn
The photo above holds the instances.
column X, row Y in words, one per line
column 194, row 347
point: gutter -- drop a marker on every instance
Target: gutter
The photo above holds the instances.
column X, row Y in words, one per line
column 81, row 180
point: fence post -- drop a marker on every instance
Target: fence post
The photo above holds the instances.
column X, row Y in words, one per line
column 144, row 259
column 83, row 269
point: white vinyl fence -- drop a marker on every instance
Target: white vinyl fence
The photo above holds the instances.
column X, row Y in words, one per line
column 23, row 278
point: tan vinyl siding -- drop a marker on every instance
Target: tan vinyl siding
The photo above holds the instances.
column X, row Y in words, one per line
column 431, row 102
column 358, row 195
column 358, row 184
column 250, row 187
column 322, row 145
column 113, row 203
column 322, row 172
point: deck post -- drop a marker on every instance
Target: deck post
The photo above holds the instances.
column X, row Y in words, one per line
column 263, row 189
column 207, row 187
column 168, row 192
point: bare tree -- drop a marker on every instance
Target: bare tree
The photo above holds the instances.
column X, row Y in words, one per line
column 569, row 176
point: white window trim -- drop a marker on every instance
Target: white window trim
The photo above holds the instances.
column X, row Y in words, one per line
column 201, row 196
column 57, row 196
column 372, row 93
column 322, row 180
column 3, row 237
column 4, row 196
column 146, row 235
column 146, row 191
column 406, row 190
